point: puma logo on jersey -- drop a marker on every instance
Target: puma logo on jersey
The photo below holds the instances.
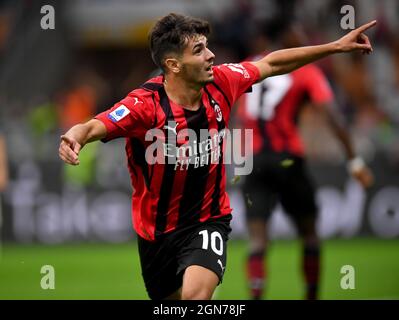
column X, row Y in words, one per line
column 173, row 129
column 137, row 101
column 220, row 264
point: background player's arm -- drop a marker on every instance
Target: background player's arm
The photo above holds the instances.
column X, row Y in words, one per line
column 358, row 169
column 3, row 164
column 285, row 61
column 76, row 137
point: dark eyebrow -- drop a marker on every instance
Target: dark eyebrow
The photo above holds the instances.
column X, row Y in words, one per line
column 199, row 44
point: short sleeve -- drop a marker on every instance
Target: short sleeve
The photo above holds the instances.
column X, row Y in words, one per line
column 236, row 78
column 317, row 86
column 130, row 117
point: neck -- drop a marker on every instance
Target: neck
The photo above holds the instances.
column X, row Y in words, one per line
column 183, row 93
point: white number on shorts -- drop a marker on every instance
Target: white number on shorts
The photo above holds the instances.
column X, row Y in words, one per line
column 214, row 246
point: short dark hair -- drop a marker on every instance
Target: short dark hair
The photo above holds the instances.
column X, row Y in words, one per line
column 170, row 35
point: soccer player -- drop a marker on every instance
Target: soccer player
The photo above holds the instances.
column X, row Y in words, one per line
column 280, row 174
column 180, row 208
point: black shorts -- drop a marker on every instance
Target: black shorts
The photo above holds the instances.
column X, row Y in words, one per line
column 164, row 261
column 279, row 177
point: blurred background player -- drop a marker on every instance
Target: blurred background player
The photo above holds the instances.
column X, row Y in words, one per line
column 3, row 180
column 280, row 174
column 3, row 163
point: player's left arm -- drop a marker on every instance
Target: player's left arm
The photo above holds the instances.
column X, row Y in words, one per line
column 355, row 165
column 284, row 61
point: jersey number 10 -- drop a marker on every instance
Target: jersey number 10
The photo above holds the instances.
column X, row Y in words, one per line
column 216, row 247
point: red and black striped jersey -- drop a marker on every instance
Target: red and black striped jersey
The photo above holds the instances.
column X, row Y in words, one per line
column 273, row 106
column 177, row 183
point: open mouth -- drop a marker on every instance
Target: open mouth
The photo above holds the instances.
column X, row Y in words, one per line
column 209, row 69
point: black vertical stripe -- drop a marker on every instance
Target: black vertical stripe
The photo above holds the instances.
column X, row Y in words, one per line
column 215, row 206
column 262, row 123
column 196, row 178
column 168, row 175
column 130, row 161
column 222, row 92
column 262, row 127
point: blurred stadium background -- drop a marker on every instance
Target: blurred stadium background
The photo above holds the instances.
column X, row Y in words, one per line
column 78, row 219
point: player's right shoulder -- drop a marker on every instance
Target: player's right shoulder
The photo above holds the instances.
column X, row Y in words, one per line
column 146, row 91
column 136, row 103
column 132, row 101
column 140, row 95
column 138, row 98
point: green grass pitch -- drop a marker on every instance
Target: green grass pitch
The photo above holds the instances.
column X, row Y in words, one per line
column 105, row 271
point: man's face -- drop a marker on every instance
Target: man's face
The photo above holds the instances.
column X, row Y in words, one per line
column 197, row 61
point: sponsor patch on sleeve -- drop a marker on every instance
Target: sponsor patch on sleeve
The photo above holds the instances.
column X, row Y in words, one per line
column 119, row 113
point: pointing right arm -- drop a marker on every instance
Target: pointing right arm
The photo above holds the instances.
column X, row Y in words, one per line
column 76, row 137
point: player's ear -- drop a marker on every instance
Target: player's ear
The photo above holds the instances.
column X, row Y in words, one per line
column 172, row 64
